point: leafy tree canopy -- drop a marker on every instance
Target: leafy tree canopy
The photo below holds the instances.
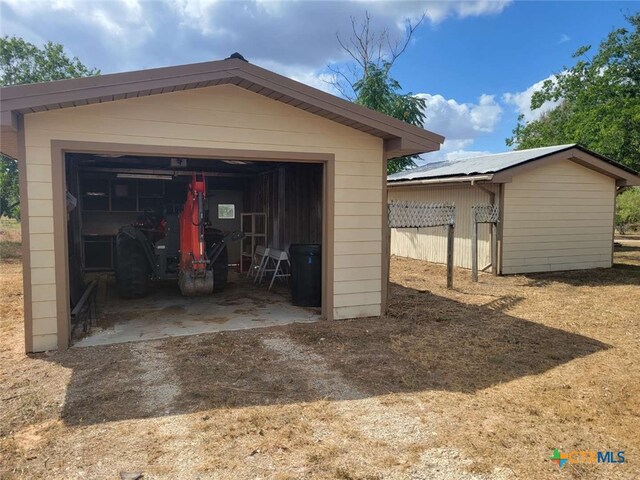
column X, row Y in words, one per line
column 378, row 91
column 628, row 208
column 9, row 198
column 367, row 80
column 23, row 62
column 600, row 101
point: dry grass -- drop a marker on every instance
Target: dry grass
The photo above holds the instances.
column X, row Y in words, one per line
column 9, row 240
column 482, row 381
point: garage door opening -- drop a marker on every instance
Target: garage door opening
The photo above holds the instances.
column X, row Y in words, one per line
column 274, row 204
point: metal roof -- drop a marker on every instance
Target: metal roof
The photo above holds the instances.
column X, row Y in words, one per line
column 501, row 167
column 483, row 164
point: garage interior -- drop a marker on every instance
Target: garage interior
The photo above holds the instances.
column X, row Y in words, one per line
column 275, row 204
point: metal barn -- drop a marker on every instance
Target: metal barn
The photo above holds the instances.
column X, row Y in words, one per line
column 556, row 208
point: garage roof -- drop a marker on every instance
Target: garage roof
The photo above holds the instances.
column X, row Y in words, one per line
column 400, row 138
column 500, row 167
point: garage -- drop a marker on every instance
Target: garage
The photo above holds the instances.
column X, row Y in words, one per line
column 283, row 164
column 275, row 204
column 555, row 208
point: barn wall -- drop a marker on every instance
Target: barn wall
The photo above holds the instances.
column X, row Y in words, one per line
column 431, row 243
column 558, row 217
column 291, row 196
column 228, row 117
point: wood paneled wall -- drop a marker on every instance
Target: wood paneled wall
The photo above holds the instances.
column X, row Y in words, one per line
column 291, row 195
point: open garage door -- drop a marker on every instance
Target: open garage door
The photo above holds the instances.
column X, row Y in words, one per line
column 125, row 214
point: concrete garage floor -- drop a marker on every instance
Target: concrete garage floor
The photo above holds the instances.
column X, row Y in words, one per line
column 164, row 312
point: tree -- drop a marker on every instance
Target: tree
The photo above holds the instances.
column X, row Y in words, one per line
column 380, row 92
column 367, row 80
column 600, row 101
column 23, row 62
column 628, row 208
column 9, row 197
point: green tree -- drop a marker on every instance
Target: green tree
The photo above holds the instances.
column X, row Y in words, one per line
column 599, row 101
column 367, row 79
column 9, row 197
column 628, row 208
column 378, row 91
column 23, row 62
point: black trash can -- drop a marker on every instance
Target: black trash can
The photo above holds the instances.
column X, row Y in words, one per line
column 306, row 275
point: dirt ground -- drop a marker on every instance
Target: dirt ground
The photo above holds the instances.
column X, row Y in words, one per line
column 480, row 382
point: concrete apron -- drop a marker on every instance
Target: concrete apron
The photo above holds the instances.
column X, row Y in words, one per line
column 166, row 313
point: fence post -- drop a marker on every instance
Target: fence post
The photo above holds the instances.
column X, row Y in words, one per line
column 407, row 214
column 494, row 248
column 474, row 247
column 450, row 255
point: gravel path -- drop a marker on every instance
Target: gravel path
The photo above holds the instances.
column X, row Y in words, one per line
column 394, row 425
column 181, row 449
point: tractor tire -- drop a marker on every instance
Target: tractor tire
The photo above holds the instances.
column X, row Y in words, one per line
column 221, row 271
column 132, row 268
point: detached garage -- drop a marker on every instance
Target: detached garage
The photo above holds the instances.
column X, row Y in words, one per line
column 283, row 162
column 556, row 208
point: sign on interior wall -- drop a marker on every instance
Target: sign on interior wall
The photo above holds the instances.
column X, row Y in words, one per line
column 226, row 211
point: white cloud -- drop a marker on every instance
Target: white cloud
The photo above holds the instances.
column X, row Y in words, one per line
column 453, row 150
column 294, row 38
column 117, row 35
column 315, row 78
column 482, row 7
column 103, row 33
column 564, row 38
column 458, row 154
column 461, row 121
column 521, row 101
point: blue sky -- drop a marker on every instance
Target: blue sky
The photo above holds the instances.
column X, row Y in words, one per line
column 476, row 63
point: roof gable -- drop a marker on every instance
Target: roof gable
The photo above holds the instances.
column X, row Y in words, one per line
column 501, row 167
column 400, row 138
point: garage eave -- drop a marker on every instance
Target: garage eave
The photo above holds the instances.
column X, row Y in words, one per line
column 401, row 147
column 402, row 138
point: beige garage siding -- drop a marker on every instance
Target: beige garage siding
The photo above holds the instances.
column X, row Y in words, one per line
column 558, row 217
column 216, row 117
column 431, row 243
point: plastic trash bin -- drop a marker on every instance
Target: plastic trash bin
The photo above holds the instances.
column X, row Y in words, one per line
column 306, row 274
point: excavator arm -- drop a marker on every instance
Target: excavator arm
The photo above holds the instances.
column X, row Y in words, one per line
column 195, row 276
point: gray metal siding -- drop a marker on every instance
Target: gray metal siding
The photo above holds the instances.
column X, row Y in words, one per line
column 431, row 243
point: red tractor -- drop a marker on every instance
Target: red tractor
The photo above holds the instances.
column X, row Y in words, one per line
column 180, row 247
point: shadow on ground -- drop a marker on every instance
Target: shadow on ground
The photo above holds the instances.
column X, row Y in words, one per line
column 619, row 274
column 427, row 342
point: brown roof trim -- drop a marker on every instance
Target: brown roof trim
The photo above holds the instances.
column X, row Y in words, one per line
column 623, row 175
column 400, row 138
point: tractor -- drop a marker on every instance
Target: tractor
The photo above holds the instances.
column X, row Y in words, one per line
column 178, row 246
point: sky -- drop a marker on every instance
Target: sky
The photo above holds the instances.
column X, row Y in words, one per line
column 476, row 63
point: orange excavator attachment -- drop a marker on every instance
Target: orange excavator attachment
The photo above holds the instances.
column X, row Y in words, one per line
column 195, row 278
